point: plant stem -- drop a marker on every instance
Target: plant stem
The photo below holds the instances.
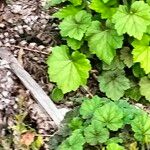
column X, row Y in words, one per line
column 143, row 147
column 85, row 88
column 125, row 2
column 97, row 147
column 86, row 3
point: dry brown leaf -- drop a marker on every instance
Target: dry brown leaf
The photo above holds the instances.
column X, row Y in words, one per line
column 27, row 138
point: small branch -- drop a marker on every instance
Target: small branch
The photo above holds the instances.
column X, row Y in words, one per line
column 85, row 89
column 28, row 49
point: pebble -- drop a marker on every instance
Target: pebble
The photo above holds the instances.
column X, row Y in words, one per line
column 5, row 93
column 7, row 44
column 6, row 34
column 1, row 44
column 16, row 8
column 41, row 47
column 2, row 25
column 32, row 45
column 23, row 43
column 1, row 36
column 12, row 41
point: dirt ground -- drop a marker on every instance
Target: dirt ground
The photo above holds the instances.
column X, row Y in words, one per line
column 28, row 31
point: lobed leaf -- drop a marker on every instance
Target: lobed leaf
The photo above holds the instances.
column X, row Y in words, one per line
column 74, row 44
column 66, row 11
column 145, row 87
column 113, row 83
column 115, row 146
column 100, row 6
column 126, row 56
column 141, row 52
column 141, row 127
column 95, row 134
column 75, row 26
column 89, row 106
column 74, row 142
column 112, row 117
column 68, row 71
column 103, row 42
column 133, row 20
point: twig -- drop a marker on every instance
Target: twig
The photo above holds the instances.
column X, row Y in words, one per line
column 85, row 89
column 37, row 92
column 44, row 135
column 28, row 49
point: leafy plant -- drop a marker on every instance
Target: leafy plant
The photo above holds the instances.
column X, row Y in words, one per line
column 104, row 42
column 111, row 37
column 141, row 127
column 88, row 107
column 96, row 134
column 113, row 83
column 74, row 142
column 141, row 52
column 75, row 26
column 105, row 129
column 57, row 95
column 144, row 87
column 132, row 20
column 71, row 71
column 126, row 56
column 111, row 118
column 115, row 146
column 117, row 32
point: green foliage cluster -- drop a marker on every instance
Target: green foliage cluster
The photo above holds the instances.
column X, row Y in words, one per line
column 107, row 125
column 114, row 32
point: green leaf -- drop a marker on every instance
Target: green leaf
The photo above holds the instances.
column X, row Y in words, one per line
column 141, row 127
column 148, row 29
column 115, row 64
column 129, row 111
column 114, row 140
column 103, row 42
column 37, row 144
column 100, row 7
column 114, row 146
column 54, row 2
column 138, row 71
column 145, row 87
column 89, row 106
column 75, row 26
column 105, row 1
column 74, row 44
column 74, row 142
column 96, row 134
column 126, row 56
column 133, row 21
column 76, row 2
column 133, row 92
column 148, row 1
column 76, row 123
column 141, row 52
column 110, row 116
column 57, row 95
column 113, row 83
column 69, row 71
column 66, row 11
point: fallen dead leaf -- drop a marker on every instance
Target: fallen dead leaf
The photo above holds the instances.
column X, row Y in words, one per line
column 27, row 138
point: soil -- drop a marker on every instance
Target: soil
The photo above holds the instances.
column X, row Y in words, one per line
column 29, row 32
